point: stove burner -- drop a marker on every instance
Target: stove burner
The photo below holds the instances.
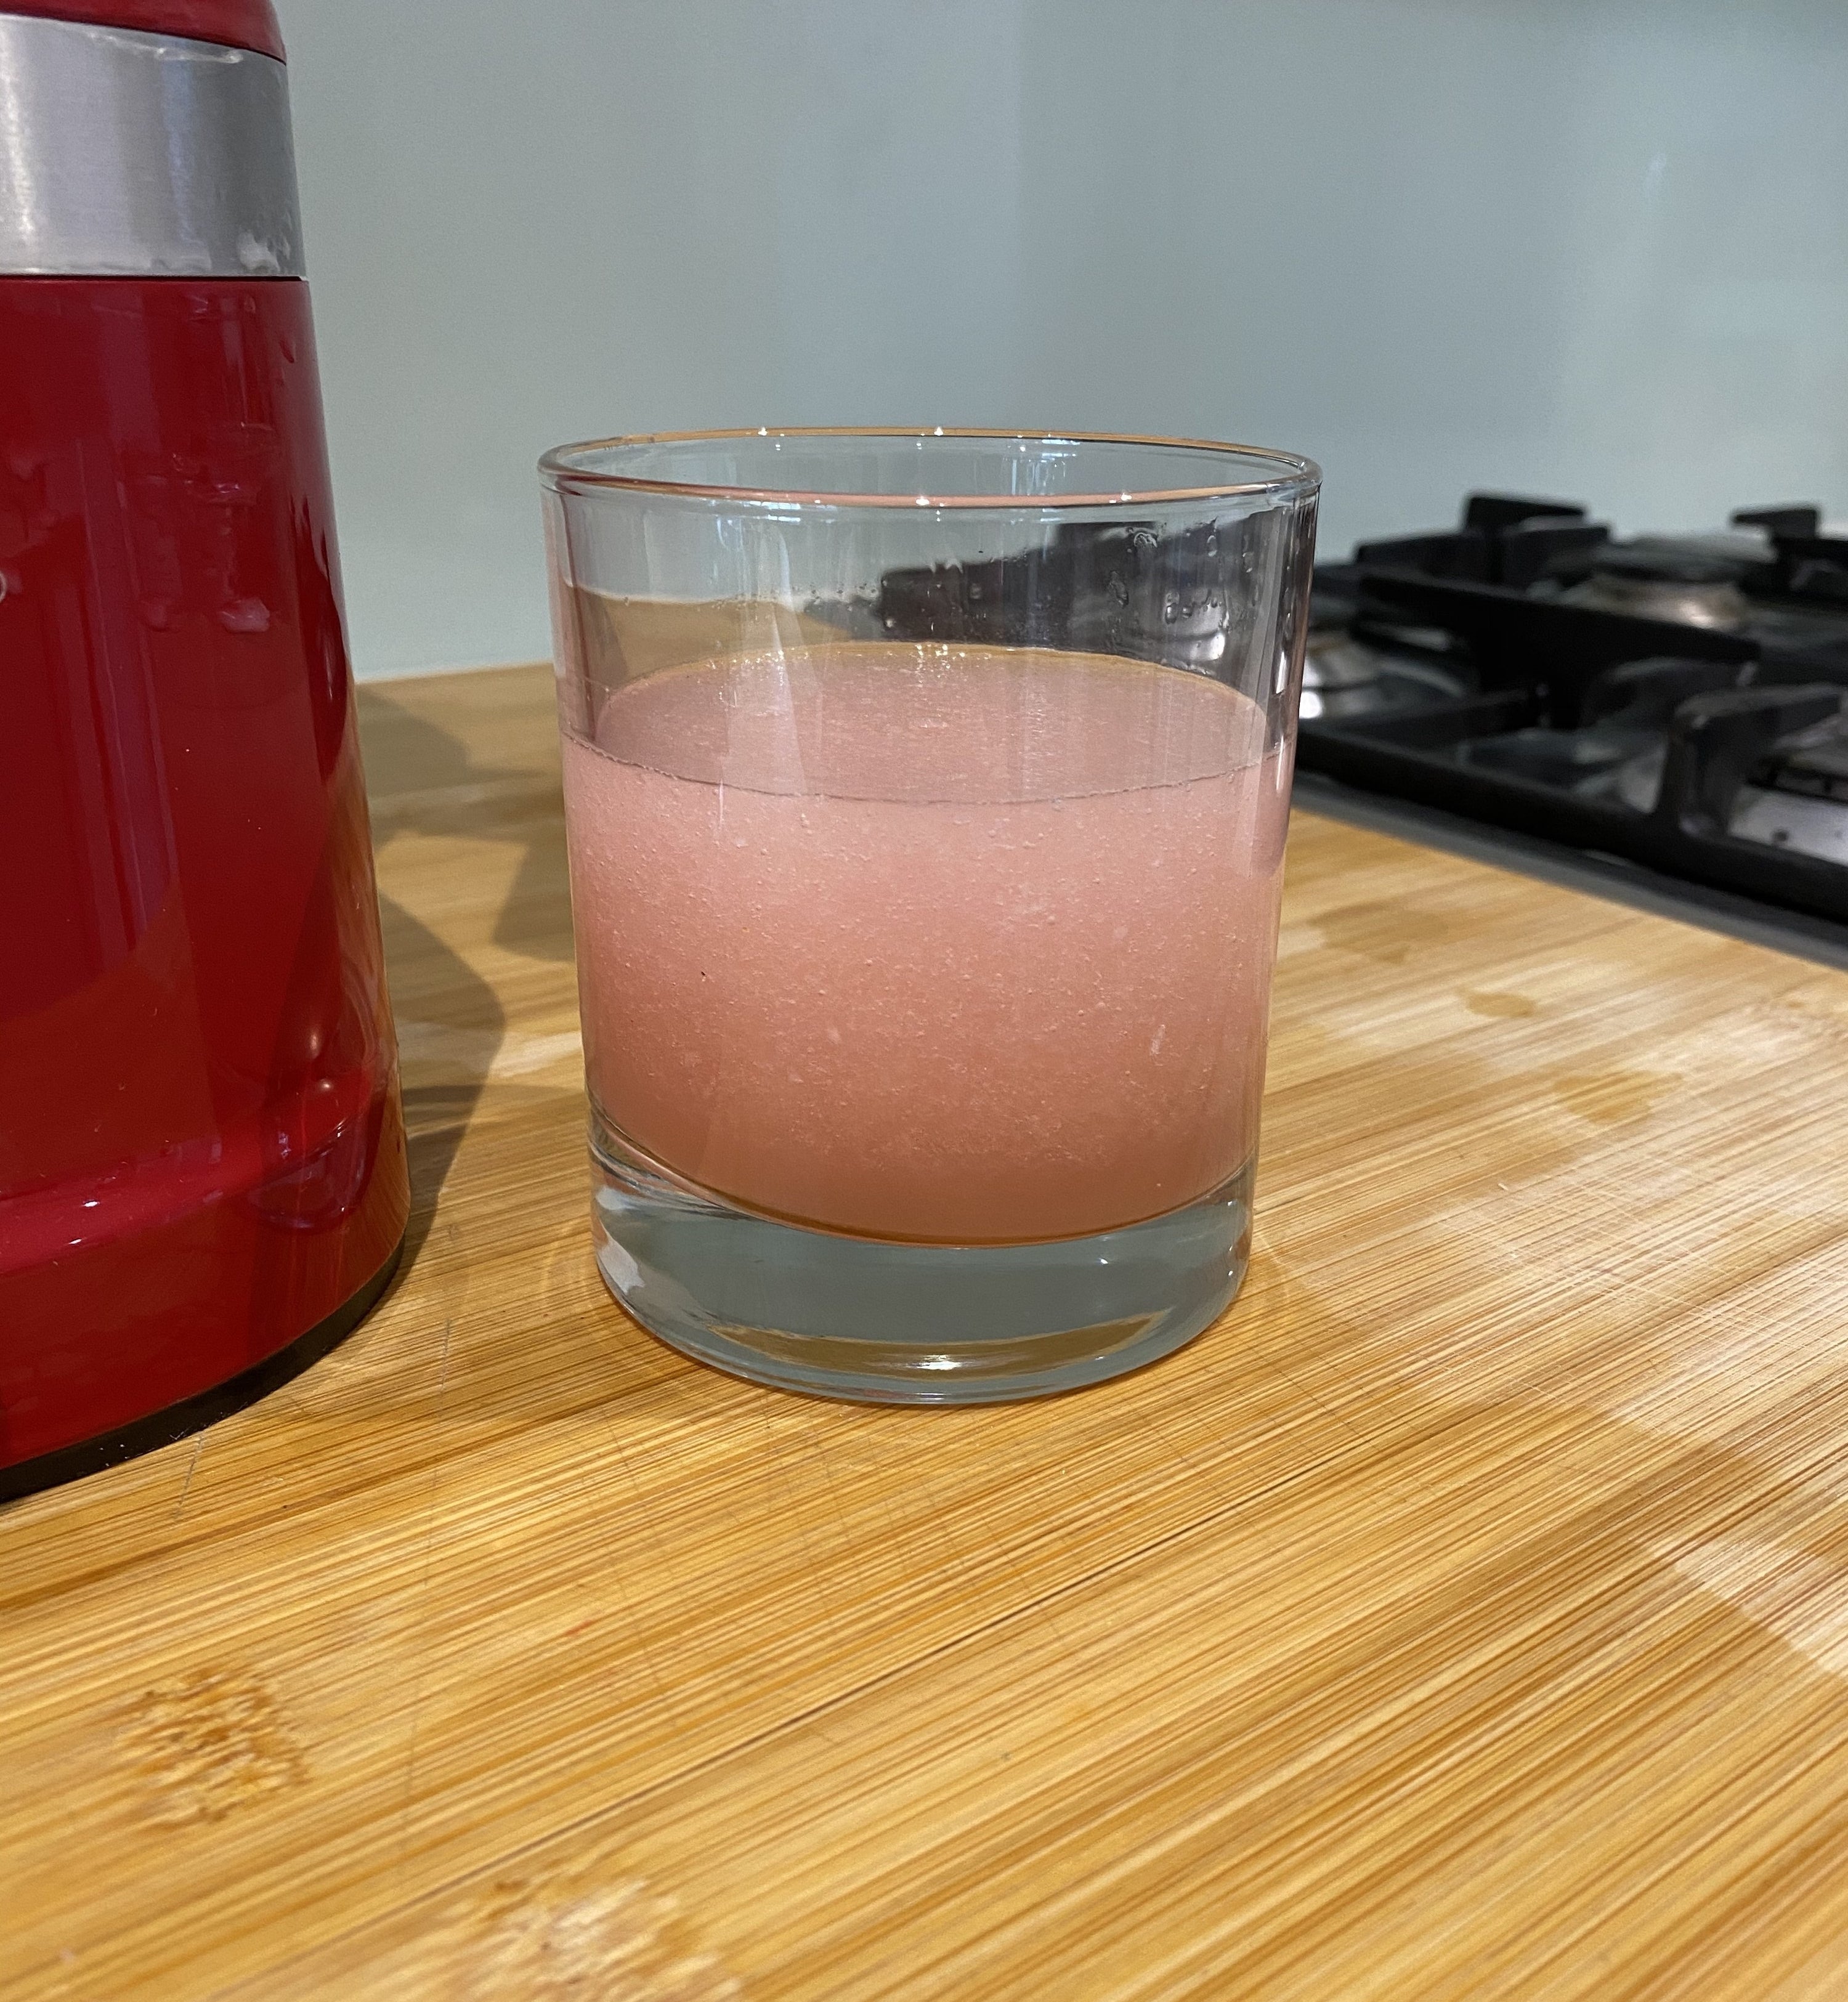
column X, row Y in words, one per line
column 1813, row 761
column 1340, row 663
column 1343, row 676
column 1656, row 581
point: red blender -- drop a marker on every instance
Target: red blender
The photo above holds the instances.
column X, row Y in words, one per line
column 202, row 1164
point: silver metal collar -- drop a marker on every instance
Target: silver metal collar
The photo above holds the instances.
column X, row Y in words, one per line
column 130, row 154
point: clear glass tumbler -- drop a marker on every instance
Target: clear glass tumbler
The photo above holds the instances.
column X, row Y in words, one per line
column 926, row 795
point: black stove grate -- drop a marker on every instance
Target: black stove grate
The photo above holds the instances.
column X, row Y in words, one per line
column 1566, row 693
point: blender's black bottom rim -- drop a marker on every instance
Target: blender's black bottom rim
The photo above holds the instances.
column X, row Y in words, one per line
column 205, row 1408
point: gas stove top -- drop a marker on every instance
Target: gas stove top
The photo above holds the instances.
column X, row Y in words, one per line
column 1661, row 718
column 1679, row 703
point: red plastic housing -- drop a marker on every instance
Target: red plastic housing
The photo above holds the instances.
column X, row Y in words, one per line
column 201, row 1150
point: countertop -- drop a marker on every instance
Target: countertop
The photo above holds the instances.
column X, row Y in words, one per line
column 1465, row 1615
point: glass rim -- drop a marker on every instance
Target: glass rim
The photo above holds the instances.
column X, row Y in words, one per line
column 562, row 469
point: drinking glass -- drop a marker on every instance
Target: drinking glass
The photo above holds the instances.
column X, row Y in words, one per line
column 926, row 796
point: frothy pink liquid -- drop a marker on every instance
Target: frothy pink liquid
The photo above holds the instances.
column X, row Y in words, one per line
column 957, row 945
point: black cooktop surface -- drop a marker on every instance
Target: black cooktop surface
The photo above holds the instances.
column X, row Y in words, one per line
column 1676, row 704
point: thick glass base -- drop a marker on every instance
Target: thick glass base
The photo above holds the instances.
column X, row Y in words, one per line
column 895, row 1323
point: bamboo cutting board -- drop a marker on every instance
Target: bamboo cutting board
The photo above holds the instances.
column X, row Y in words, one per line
column 1464, row 1615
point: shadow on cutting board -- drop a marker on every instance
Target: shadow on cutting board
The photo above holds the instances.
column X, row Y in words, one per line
column 438, row 789
column 440, row 1093
column 450, row 1023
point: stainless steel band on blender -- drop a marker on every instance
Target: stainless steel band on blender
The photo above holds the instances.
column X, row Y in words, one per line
column 129, row 154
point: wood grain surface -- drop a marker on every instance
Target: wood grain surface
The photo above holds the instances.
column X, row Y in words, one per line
column 1464, row 1615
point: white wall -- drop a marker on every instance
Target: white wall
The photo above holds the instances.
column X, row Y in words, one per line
column 1595, row 247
